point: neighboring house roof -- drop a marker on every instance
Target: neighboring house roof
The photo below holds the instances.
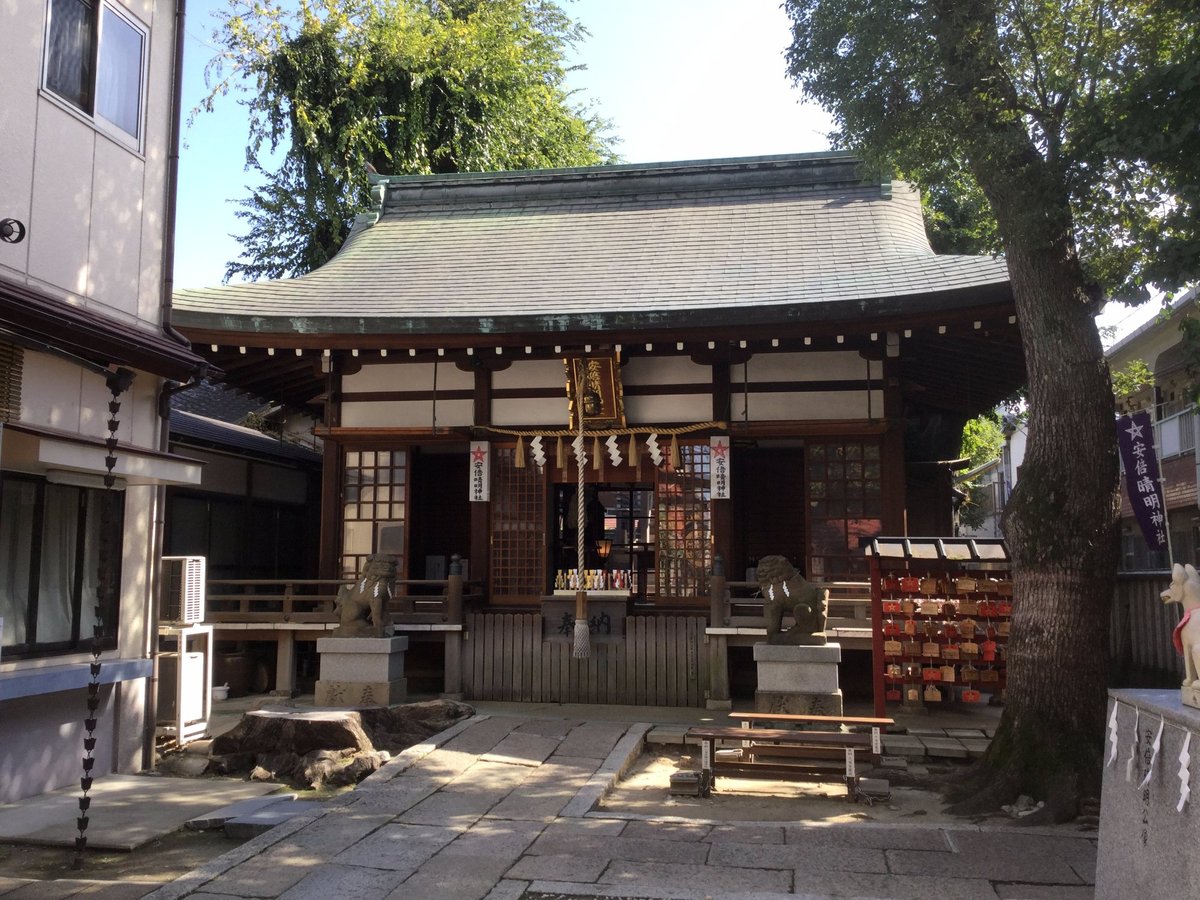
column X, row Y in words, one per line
column 767, row 240
column 201, row 430
column 216, row 401
column 34, row 319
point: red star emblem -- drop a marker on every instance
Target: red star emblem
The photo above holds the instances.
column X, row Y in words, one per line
column 478, row 455
column 720, row 448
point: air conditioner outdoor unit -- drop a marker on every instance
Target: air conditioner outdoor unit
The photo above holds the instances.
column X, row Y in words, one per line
column 182, row 599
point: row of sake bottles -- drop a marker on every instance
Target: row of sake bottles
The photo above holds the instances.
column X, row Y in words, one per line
column 593, row 580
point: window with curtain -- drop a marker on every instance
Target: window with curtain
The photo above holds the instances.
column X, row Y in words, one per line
column 95, row 60
column 60, row 558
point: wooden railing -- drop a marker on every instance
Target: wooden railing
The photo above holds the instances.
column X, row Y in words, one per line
column 415, row 601
column 740, row 604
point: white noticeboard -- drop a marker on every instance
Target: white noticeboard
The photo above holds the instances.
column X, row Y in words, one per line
column 719, row 467
column 480, row 474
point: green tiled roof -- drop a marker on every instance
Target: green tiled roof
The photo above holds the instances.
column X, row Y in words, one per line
column 760, row 240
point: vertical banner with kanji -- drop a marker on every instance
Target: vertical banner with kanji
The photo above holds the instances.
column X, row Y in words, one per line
column 481, row 471
column 719, row 467
column 1135, row 435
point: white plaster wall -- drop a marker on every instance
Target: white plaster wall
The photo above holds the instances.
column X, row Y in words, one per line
column 94, row 206
column 55, row 393
column 135, row 610
column 18, row 122
column 817, row 366
column 664, row 370
column 60, row 221
column 408, row 377
column 518, row 413
column 532, row 373
column 43, row 742
column 115, row 237
column 407, row 414
column 804, row 406
column 672, row 409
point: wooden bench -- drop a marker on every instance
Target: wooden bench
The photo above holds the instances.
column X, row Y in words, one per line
column 789, row 752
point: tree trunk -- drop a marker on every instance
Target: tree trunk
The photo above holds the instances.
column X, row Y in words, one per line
column 1061, row 520
column 1060, row 524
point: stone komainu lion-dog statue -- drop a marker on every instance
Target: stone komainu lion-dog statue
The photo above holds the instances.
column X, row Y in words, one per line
column 1185, row 590
column 361, row 608
column 784, row 590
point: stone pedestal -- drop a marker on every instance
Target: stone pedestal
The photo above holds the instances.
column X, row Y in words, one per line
column 1147, row 846
column 798, row 680
column 361, row 671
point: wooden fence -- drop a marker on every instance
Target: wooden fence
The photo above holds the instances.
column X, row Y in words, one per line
column 661, row 661
column 1140, row 648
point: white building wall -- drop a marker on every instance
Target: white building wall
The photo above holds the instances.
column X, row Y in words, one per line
column 94, row 211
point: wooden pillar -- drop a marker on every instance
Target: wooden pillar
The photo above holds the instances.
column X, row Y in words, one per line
column 893, row 471
column 718, row 669
column 452, row 640
column 331, row 484
column 285, row 662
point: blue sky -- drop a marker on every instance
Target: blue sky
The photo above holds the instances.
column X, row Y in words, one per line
column 679, row 79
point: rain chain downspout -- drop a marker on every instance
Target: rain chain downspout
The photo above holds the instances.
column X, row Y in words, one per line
column 118, row 382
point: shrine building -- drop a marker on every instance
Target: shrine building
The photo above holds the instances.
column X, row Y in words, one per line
column 766, row 354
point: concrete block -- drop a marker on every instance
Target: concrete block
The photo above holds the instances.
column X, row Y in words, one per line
column 362, row 659
column 804, row 677
column 976, row 747
column 255, row 822
column 359, row 694
column 1147, row 848
column 830, row 654
column 797, row 703
column 903, row 745
column 219, row 817
column 945, row 747
column 961, row 733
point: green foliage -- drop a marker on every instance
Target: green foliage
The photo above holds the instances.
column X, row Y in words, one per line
column 1106, row 93
column 1134, row 378
column 983, row 438
column 982, row 441
column 403, row 86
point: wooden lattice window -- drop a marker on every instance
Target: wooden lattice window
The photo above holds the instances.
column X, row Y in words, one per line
column 374, row 508
column 844, row 505
column 518, row 529
column 684, row 525
column 12, row 361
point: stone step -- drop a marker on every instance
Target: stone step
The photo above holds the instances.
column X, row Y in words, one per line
column 217, row 818
column 257, row 821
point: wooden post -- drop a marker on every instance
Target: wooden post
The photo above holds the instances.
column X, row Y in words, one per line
column 452, row 640
column 454, row 592
column 877, row 659
column 718, row 610
column 718, row 644
column 285, row 662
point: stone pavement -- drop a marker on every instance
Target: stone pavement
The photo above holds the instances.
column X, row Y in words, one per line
column 501, row 807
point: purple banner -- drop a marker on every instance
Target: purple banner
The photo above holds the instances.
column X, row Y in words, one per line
column 1135, row 435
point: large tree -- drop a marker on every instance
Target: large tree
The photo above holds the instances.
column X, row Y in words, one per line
column 401, row 86
column 1077, row 120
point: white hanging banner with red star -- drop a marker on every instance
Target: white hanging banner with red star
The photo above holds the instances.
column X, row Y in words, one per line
column 719, row 467
column 481, row 471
